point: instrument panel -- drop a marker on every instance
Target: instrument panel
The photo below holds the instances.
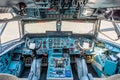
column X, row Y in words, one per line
column 59, row 51
column 59, row 68
column 52, row 8
column 56, row 44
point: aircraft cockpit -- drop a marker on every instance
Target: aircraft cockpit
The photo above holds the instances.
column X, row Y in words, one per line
column 59, row 39
column 60, row 48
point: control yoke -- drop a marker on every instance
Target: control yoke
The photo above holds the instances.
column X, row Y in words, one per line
column 86, row 46
column 34, row 46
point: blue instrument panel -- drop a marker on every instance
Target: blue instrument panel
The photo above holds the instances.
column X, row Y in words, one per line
column 59, row 68
column 112, row 47
column 58, row 50
column 55, row 44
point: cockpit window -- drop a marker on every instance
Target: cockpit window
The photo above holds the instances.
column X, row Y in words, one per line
column 5, row 16
column 75, row 27
column 78, row 27
column 40, row 27
column 10, row 32
column 107, row 31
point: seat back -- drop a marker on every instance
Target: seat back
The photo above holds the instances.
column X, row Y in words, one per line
column 8, row 76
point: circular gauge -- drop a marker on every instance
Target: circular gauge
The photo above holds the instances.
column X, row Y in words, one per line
column 50, row 40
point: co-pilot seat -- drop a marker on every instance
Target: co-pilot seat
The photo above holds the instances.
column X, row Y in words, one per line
column 82, row 70
column 81, row 67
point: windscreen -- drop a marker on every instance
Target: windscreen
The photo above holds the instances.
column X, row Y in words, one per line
column 75, row 27
column 107, row 32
